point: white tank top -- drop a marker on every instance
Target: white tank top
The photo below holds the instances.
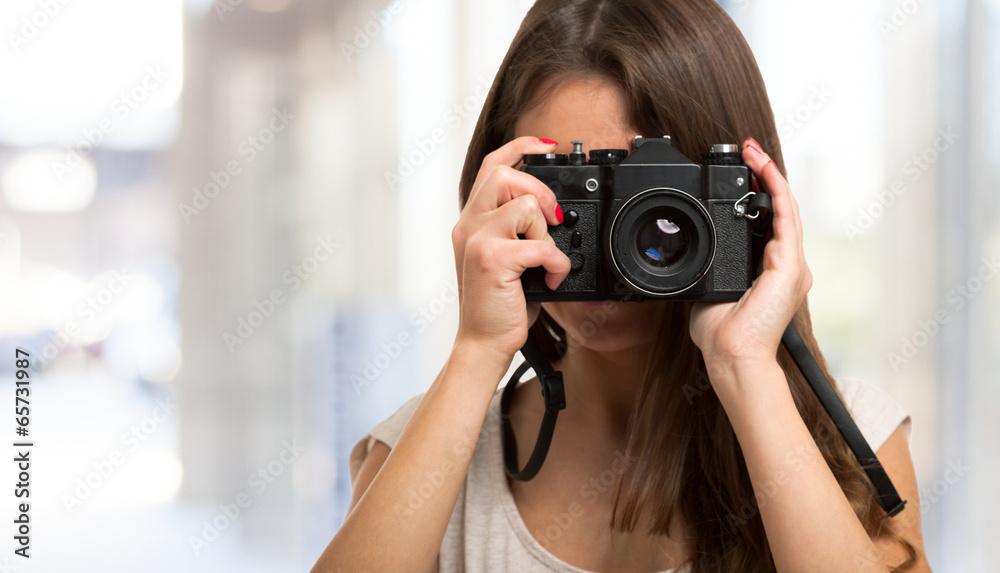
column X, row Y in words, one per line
column 486, row 532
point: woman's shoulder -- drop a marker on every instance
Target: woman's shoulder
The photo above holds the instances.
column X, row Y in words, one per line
column 876, row 413
column 388, row 430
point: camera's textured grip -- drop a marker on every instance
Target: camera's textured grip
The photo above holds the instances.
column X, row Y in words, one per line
column 731, row 270
column 584, row 279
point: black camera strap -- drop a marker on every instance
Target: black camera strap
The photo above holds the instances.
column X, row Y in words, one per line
column 885, row 492
column 555, row 400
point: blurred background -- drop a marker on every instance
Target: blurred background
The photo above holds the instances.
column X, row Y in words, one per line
column 225, row 241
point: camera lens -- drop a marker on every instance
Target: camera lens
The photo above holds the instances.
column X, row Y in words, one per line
column 661, row 241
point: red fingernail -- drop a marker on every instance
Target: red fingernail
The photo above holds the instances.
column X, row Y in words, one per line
column 754, row 145
column 548, row 141
column 559, row 214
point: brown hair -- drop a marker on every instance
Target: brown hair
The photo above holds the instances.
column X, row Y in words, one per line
column 685, row 70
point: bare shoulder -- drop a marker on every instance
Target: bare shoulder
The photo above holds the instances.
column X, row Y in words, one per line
column 370, row 453
column 366, row 461
column 365, row 464
column 895, row 457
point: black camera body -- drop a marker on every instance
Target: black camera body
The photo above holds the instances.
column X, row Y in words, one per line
column 651, row 225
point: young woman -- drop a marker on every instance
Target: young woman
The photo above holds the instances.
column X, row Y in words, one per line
column 653, row 466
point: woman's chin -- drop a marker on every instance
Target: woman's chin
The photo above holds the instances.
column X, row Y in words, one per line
column 607, row 326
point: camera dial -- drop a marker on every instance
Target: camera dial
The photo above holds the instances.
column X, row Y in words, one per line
column 546, row 159
column 607, row 156
column 722, row 154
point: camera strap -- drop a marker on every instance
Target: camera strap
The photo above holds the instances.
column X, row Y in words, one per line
column 885, row 492
column 555, row 400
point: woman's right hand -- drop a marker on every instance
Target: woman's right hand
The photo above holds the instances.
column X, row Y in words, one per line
column 382, row 531
column 490, row 258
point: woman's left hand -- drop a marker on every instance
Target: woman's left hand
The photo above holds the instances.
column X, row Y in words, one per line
column 746, row 334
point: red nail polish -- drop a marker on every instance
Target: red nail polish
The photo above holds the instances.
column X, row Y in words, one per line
column 548, row 141
column 559, row 213
column 754, row 145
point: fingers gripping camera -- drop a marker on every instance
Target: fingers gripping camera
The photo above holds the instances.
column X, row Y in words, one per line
column 651, row 224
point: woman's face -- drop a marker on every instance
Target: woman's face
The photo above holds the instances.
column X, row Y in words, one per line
column 593, row 111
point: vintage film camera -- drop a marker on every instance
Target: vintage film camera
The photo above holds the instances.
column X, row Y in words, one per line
column 652, row 224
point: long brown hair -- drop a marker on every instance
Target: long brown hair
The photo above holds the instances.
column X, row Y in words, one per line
column 685, row 70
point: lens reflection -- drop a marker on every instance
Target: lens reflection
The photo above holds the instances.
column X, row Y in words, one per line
column 662, row 242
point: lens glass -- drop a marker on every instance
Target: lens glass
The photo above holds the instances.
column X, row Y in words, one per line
column 662, row 241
